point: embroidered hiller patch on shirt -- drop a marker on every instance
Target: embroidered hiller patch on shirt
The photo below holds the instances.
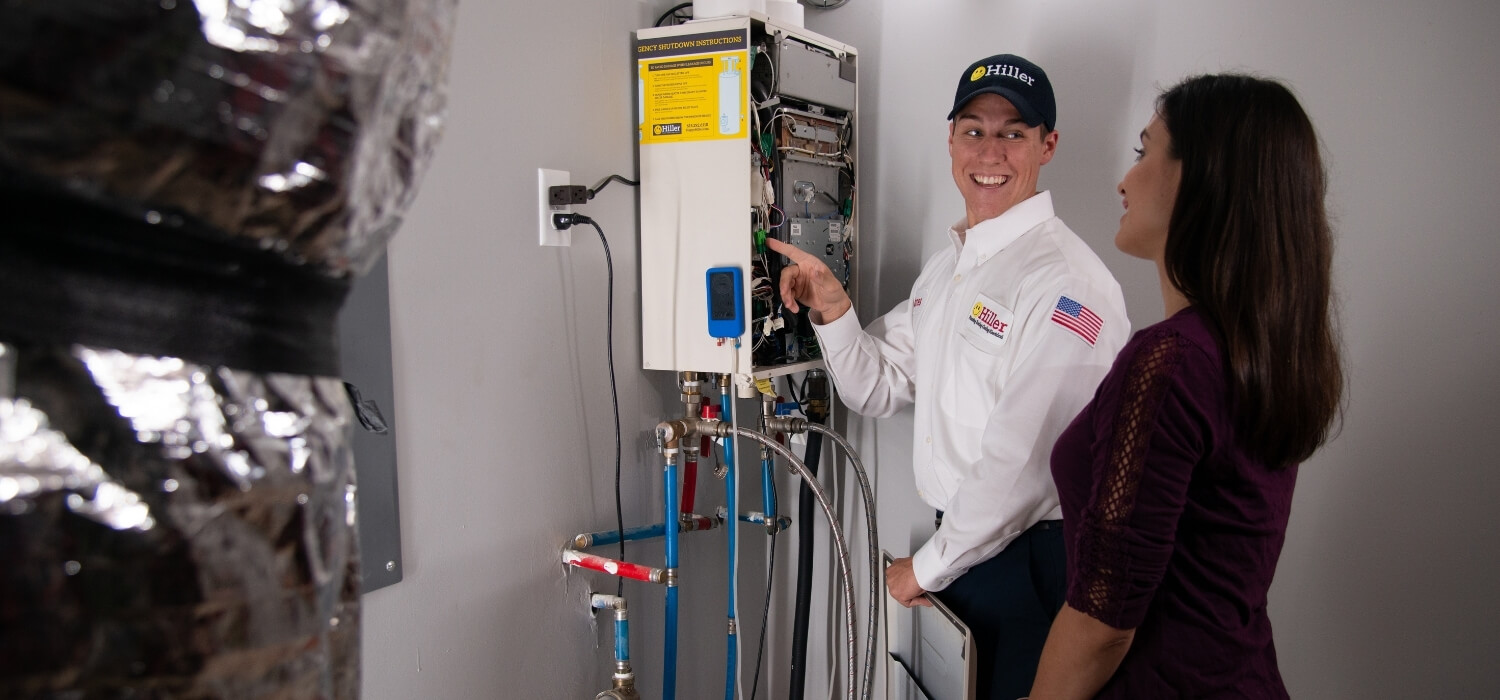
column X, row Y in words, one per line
column 989, row 316
column 1078, row 319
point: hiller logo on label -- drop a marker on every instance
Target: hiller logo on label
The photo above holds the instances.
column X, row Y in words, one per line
column 986, row 318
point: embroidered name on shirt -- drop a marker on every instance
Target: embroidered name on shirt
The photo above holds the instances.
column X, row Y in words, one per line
column 988, row 319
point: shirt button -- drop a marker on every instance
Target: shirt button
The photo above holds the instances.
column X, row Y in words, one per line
column 957, row 277
column 928, row 440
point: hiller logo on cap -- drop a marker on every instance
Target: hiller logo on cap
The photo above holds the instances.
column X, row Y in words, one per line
column 1002, row 70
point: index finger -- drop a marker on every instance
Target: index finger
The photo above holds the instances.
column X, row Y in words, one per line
column 797, row 255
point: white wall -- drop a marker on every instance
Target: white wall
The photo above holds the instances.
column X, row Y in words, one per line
column 507, row 443
column 1385, row 586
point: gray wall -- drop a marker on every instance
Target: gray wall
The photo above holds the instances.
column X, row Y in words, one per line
column 502, row 392
column 1384, row 589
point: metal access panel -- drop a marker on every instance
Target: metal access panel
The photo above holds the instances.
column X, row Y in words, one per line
column 815, row 73
column 699, row 136
column 823, row 238
column 365, row 353
column 931, row 652
column 804, row 187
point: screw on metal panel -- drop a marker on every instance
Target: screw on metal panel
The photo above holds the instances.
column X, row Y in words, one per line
column 390, row 566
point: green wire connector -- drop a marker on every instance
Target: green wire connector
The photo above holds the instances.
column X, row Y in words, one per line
column 767, row 141
column 760, row 241
column 848, row 206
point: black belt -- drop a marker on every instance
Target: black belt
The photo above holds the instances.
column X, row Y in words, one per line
column 1040, row 524
column 73, row 272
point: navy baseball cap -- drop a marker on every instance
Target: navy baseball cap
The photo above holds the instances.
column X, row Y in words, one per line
column 1016, row 79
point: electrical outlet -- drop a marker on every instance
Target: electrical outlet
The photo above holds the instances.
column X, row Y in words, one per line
column 547, row 234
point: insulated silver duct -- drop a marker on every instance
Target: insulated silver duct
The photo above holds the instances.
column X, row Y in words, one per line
column 188, row 187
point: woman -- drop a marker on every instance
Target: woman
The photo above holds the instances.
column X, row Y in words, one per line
column 1176, row 480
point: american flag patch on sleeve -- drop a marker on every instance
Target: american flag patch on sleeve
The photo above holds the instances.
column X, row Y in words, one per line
column 1078, row 318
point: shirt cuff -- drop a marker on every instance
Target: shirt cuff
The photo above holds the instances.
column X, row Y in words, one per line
column 932, row 575
column 839, row 333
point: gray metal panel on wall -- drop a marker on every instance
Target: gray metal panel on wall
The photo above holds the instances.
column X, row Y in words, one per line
column 365, row 348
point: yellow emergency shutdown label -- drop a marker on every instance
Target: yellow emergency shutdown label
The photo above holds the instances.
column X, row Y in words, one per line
column 691, row 89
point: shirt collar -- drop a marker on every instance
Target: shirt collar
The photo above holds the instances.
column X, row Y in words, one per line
column 992, row 236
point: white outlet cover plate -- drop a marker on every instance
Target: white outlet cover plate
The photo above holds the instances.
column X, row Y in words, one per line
column 546, row 234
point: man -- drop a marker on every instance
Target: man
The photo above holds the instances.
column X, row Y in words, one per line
column 1001, row 342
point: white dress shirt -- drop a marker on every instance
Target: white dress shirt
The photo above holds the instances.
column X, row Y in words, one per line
column 994, row 371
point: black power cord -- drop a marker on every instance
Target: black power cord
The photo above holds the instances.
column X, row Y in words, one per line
column 673, row 14
column 766, row 611
column 612, row 178
column 563, row 222
column 815, row 407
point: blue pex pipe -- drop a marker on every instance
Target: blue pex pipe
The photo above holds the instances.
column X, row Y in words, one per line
column 644, row 532
column 687, row 523
column 670, row 484
column 622, row 640
column 768, row 503
column 726, row 410
column 669, row 651
column 730, row 664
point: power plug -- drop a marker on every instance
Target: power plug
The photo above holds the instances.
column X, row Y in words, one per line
column 548, row 234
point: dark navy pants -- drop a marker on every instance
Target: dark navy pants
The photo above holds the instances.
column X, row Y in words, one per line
column 1009, row 602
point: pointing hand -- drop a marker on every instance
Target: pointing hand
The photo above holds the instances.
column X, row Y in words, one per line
column 809, row 282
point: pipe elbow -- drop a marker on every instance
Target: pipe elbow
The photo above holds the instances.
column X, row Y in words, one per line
column 670, row 433
column 600, row 601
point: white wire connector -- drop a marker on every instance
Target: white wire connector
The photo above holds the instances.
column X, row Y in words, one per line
column 772, row 324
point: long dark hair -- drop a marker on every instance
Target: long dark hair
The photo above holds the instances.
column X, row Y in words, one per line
column 1250, row 247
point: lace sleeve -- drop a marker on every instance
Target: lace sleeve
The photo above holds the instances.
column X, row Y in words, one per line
column 1147, row 446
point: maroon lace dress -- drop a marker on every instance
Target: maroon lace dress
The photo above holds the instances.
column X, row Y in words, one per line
column 1171, row 529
